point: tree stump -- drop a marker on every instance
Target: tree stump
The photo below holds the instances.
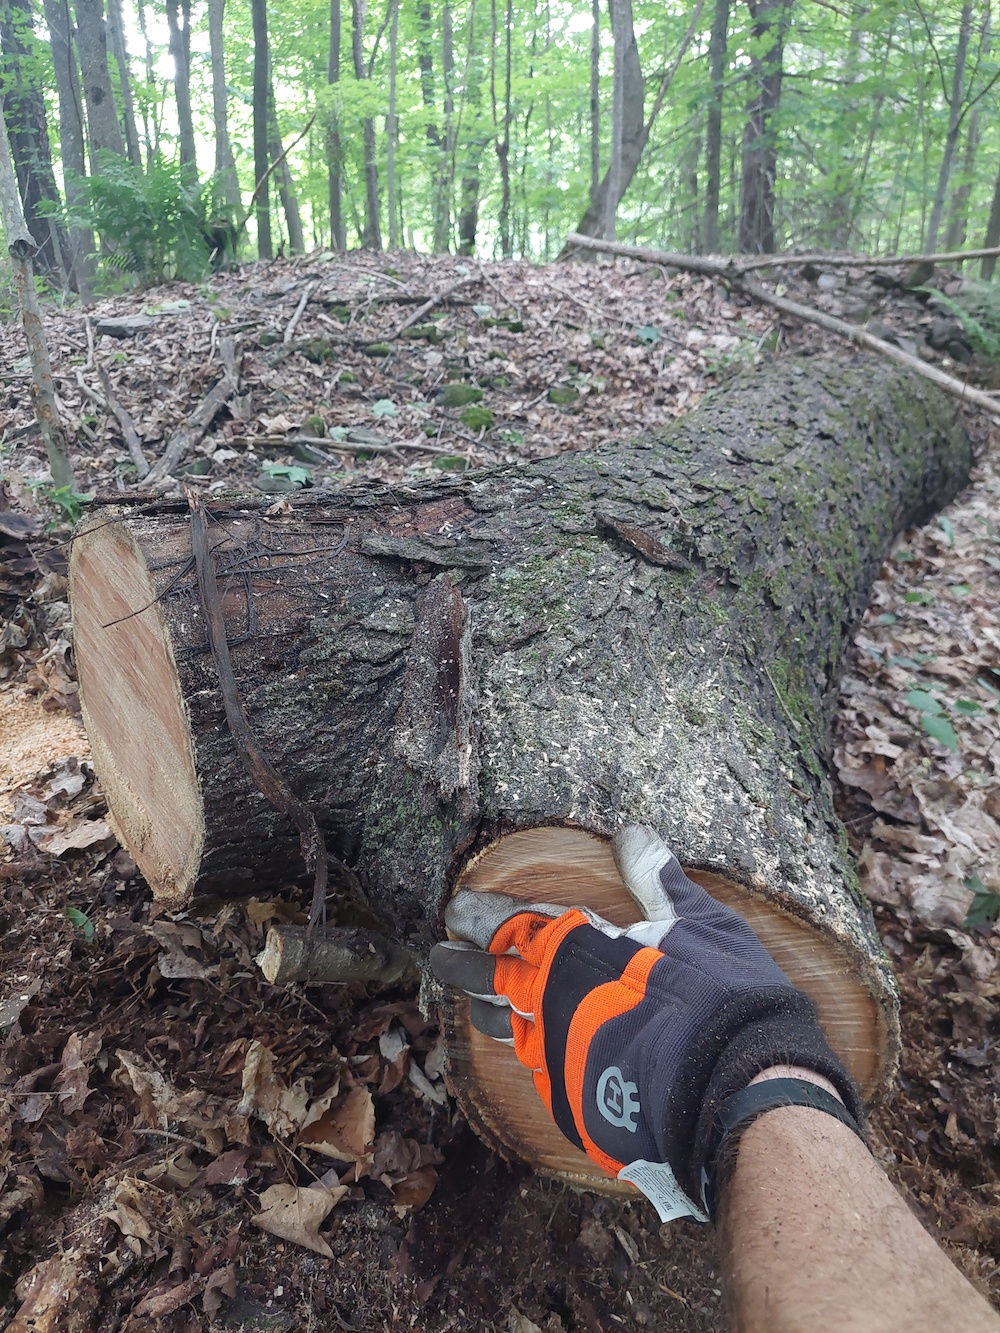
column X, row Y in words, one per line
column 478, row 679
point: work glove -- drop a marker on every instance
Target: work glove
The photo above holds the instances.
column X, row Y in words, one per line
column 635, row 1036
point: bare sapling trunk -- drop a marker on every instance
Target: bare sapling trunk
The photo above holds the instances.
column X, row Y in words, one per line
column 954, row 127
column 760, row 152
column 261, row 81
column 116, row 31
column 21, row 247
column 72, row 142
column 228, row 185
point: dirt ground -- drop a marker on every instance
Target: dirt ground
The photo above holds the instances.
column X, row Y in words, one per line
column 183, row 1147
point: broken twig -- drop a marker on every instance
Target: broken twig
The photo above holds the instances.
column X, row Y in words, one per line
column 429, row 305
column 194, row 429
column 303, row 302
column 127, row 427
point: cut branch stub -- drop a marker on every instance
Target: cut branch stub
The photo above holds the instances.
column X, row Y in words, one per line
column 647, row 632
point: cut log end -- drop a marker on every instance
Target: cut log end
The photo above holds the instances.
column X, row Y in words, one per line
column 133, row 709
column 572, row 867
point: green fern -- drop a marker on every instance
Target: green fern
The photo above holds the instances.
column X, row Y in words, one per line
column 151, row 223
column 978, row 312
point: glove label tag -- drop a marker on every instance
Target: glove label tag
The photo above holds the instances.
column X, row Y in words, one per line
column 659, row 1184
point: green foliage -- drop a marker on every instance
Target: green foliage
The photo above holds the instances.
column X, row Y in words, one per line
column 933, row 718
column 298, row 476
column 153, row 223
column 977, row 309
column 984, row 909
column 67, row 502
column 82, row 922
column 477, row 418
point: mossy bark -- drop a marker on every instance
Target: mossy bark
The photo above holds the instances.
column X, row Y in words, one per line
column 649, row 631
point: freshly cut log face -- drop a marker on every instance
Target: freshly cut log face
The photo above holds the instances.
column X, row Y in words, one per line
column 572, row 868
column 649, row 632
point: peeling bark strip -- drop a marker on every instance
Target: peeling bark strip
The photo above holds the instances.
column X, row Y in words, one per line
column 558, row 678
column 272, row 785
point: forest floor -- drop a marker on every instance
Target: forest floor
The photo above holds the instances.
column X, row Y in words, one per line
column 153, row 1087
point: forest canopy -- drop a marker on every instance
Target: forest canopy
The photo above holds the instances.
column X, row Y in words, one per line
column 493, row 127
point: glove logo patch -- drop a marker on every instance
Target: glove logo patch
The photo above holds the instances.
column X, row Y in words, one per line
column 617, row 1099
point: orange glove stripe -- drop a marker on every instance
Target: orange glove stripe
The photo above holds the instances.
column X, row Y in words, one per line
column 537, row 939
column 608, row 1001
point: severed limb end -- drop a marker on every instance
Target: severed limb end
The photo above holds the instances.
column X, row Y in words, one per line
column 291, row 953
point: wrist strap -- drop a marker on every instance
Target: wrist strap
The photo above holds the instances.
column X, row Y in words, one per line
column 742, row 1109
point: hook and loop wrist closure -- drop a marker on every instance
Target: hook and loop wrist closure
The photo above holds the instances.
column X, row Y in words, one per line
column 738, row 1112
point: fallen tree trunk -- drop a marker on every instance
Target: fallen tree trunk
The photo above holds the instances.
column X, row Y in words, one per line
column 484, row 676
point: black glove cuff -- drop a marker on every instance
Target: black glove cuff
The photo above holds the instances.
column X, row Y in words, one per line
column 750, row 1033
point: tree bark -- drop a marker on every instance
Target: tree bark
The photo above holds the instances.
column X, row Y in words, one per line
column 104, row 133
column 72, row 138
column 635, row 131
column 334, row 150
column 24, row 110
column 647, row 632
column 228, row 184
column 116, row 32
column 954, row 126
column 179, row 24
column 595, row 98
column 372, row 236
column 286, row 186
column 760, row 154
column 261, row 80
column 21, row 247
column 717, row 46
column 392, row 129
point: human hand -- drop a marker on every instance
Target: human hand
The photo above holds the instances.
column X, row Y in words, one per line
column 634, row 1036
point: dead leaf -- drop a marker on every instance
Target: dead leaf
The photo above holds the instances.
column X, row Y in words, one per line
column 72, row 1081
column 295, row 1213
column 177, row 1169
column 414, row 1190
column 161, row 1104
column 15, row 1003
column 346, row 1131
column 268, row 1098
column 74, row 837
column 220, row 1285
column 163, row 1300
column 229, row 1168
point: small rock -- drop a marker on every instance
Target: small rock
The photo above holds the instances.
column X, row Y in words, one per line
column 126, row 326
column 917, row 275
column 829, row 282
column 959, row 351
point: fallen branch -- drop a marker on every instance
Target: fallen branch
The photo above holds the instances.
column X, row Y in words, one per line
column 429, row 305
column 127, row 426
column 272, row 168
column 194, row 429
column 860, row 337
column 333, row 955
column 732, row 266
column 303, row 302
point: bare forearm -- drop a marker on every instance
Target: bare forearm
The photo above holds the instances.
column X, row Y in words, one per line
column 816, row 1238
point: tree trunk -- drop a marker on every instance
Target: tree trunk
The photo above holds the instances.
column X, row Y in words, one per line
column 992, row 238
column 717, row 47
column 80, row 243
column 116, row 32
column 227, row 181
column 179, row 24
column 954, row 126
column 334, row 150
column 760, row 154
column 21, row 247
column 958, row 213
column 392, row 129
column 372, row 236
column 103, row 130
column 595, row 99
column 261, row 81
column 502, row 141
column 24, row 111
column 443, row 184
column 645, row 632
column 625, row 47
column 635, row 131
column 286, row 186
column 475, row 143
